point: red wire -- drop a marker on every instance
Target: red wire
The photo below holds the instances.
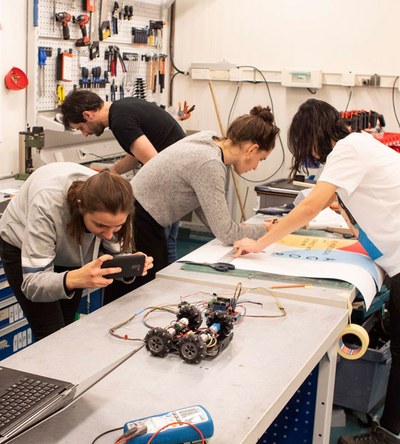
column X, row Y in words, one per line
column 177, row 423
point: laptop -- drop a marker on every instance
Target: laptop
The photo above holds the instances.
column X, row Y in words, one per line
column 26, row 399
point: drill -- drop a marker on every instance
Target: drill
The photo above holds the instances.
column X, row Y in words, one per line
column 82, row 20
column 64, row 18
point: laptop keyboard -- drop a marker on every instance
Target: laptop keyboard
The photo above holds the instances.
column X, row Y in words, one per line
column 21, row 396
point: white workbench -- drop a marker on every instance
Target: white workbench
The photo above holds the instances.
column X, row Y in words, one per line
column 244, row 388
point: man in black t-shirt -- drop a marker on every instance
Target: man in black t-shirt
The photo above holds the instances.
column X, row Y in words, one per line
column 142, row 128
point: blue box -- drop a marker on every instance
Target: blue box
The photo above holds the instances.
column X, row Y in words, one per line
column 15, row 337
column 90, row 301
column 5, row 289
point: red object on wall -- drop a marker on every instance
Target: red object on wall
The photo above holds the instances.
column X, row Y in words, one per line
column 16, row 79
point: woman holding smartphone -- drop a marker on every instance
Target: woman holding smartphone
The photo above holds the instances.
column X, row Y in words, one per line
column 56, row 233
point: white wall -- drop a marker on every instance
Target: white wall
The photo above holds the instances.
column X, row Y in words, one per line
column 12, row 103
column 331, row 35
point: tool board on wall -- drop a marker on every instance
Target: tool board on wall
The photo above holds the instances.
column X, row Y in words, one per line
column 115, row 49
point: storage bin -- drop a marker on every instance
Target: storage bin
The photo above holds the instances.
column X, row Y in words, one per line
column 88, row 306
column 361, row 384
column 10, row 312
column 14, row 338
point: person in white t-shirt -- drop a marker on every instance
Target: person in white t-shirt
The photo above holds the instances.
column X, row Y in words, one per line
column 364, row 175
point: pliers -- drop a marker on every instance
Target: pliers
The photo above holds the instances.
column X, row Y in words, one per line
column 184, row 113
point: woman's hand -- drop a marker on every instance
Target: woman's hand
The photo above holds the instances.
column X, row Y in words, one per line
column 91, row 275
column 245, row 246
column 148, row 263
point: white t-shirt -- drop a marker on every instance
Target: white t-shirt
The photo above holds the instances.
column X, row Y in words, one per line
column 367, row 176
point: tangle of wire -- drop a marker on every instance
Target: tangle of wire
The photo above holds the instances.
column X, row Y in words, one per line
column 269, row 293
column 238, row 313
column 113, row 330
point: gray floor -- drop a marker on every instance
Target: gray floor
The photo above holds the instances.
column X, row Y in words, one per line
column 343, row 423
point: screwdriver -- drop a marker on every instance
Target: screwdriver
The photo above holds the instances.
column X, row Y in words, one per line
column 42, row 57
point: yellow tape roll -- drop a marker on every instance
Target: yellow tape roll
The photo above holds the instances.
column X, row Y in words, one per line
column 353, row 352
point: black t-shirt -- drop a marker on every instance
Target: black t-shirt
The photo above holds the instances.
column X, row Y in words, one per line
column 130, row 118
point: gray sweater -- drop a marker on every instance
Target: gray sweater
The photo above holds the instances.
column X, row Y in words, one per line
column 190, row 175
column 35, row 221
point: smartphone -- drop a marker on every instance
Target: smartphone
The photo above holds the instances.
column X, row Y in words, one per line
column 131, row 265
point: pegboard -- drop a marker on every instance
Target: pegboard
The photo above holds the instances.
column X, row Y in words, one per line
column 295, row 423
column 142, row 61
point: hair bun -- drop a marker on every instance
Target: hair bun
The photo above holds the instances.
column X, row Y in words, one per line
column 263, row 113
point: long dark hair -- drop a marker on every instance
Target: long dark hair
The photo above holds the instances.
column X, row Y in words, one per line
column 315, row 127
column 105, row 192
column 257, row 126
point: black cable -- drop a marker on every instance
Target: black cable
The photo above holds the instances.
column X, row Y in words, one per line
column 348, row 101
column 171, row 54
column 394, row 105
column 233, row 103
column 312, row 91
column 272, row 109
column 265, row 81
column 106, row 433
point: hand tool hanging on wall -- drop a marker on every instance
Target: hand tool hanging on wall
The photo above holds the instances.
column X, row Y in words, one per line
column 84, row 82
column 139, row 35
column 35, row 12
column 113, row 90
column 42, row 56
column 161, row 71
column 128, row 12
column 96, row 74
column 60, row 94
column 113, row 55
column 184, row 113
column 154, row 72
column 64, row 65
column 82, row 21
column 64, row 18
column 89, row 5
column 104, row 23
column 94, row 45
column 155, row 33
column 115, row 16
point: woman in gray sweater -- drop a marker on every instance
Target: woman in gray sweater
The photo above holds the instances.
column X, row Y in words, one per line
column 190, row 175
column 55, row 234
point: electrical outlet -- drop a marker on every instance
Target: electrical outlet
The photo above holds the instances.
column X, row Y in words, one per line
column 375, row 80
column 200, row 73
column 302, row 78
column 365, row 81
column 348, row 78
column 219, row 74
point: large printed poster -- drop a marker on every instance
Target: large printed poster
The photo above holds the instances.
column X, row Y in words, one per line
column 307, row 256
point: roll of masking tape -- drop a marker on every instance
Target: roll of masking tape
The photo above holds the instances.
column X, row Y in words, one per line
column 353, row 351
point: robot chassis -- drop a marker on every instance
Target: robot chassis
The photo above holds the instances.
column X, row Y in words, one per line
column 184, row 336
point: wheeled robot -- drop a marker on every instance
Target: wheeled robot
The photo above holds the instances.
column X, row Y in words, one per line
column 185, row 337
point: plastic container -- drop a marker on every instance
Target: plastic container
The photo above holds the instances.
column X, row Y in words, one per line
column 16, row 79
column 361, row 384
